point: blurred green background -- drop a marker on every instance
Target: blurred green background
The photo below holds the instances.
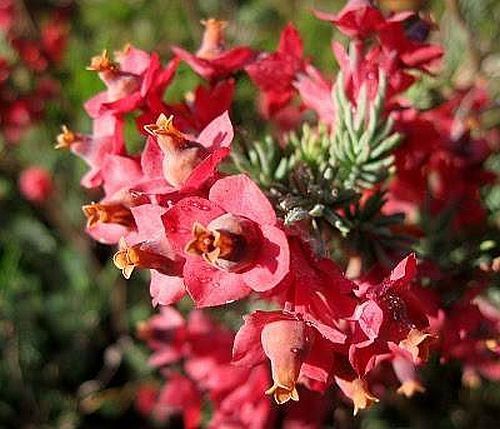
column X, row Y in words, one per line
column 69, row 357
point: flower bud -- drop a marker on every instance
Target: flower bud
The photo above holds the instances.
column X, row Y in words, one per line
column 35, row 183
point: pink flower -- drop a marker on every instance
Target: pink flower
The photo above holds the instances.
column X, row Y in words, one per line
column 35, row 184
column 294, row 347
column 316, row 93
column 186, row 163
column 391, row 312
column 106, row 139
column 213, row 61
column 232, row 245
column 135, row 79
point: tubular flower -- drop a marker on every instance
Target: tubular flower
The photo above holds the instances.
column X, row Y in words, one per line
column 134, row 79
column 358, row 392
column 108, row 213
column 187, row 162
column 284, row 343
column 139, row 256
column 296, row 349
column 119, row 83
column 181, row 156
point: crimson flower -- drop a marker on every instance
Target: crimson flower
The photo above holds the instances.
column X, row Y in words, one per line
column 358, row 19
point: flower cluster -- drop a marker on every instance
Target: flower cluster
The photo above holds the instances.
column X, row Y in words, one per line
column 219, row 238
column 34, row 52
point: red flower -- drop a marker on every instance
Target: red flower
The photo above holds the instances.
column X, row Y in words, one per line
column 35, row 183
column 358, row 18
column 470, row 335
column 275, row 73
column 205, row 104
column 232, row 245
column 179, row 396
column 213, row 61
column 244, row 406
column 391, row 312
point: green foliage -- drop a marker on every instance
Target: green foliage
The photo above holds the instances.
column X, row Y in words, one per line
column 361, row 150
column 319, row 175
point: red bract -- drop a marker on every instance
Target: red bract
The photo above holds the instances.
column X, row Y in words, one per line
column 275, row 73
column 205, row 104
column 232, row 245
column 213, row 61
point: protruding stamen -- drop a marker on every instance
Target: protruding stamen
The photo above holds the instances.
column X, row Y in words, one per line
column 108, row 213
column 102, row 63
column 283, row 394
column 211, row 245
column 66, row 138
